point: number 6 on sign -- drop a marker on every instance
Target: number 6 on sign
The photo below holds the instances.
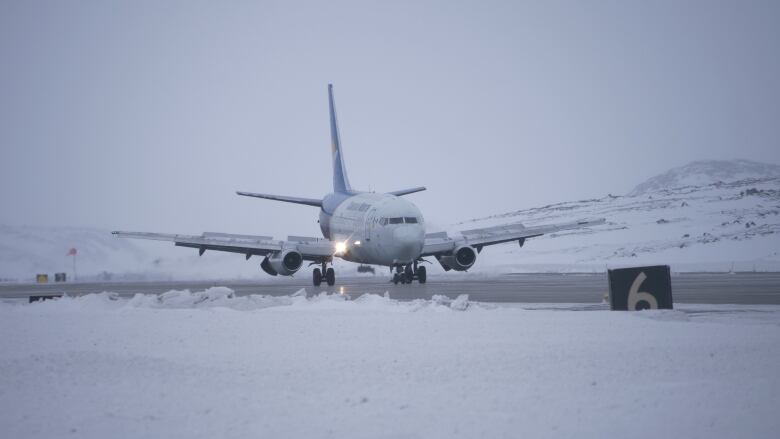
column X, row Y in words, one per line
column 635, row 288
column 634, row 296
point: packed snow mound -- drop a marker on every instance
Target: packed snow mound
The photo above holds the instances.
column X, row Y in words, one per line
column 224, row 297
column 707, row 172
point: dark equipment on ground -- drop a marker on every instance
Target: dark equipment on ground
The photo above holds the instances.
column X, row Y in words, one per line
column 43, row 297
column 366, row 269
column 60, row 277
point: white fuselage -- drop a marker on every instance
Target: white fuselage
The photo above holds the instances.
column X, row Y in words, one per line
column 377, row 229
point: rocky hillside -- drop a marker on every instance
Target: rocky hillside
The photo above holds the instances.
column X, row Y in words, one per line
column 707, row 172
column 703, row 216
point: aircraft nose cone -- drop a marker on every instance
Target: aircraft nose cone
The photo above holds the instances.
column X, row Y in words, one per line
column 408, row 242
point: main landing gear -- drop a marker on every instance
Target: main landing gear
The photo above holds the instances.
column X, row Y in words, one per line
column 407, row 274
column 329, row 277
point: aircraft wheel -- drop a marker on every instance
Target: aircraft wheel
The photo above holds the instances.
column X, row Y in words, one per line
column 408, row 274
column 395, row 278
column 422, row 275
column 317, row 277
column 330, row 276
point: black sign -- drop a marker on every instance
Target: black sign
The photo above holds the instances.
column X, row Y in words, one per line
column 638, row 288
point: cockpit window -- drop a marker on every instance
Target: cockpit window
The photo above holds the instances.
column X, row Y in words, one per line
column 360, row 207
column 398, row 220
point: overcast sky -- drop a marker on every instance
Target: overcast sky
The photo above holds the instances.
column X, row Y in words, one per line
column 149, row 115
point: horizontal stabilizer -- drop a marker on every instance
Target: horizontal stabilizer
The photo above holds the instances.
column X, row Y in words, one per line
column 296, row 200
column 407, row 191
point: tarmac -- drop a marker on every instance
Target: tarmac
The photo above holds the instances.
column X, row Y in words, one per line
column 706, row 288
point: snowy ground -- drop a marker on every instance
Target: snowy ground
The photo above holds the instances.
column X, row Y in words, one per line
column 208, row 364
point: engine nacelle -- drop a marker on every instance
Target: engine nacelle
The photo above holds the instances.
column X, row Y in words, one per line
column 461, row 259
column 285, row 263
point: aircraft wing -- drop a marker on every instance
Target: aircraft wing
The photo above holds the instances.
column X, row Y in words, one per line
column 312, row 249
column 440, row 243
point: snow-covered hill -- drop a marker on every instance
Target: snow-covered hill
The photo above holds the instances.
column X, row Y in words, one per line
column 27, row 250
column 732, row 221
column 707, row 172
column 714, row 216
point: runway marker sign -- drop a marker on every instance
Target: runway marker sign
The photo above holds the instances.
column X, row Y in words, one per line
column 638, row 288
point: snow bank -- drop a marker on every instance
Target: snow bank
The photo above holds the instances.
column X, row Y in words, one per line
column 210, row 364
column 224, row 297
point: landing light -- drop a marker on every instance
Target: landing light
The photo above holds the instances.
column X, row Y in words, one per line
column 341, row 247
column 357, row 242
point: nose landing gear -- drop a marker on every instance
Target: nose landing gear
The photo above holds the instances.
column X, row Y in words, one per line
column 407, row 274
column 329, row 275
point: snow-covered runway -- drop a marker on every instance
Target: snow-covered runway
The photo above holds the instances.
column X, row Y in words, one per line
column 211, row 365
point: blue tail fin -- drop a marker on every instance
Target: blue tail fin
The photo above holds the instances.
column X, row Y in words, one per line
column 340, row 180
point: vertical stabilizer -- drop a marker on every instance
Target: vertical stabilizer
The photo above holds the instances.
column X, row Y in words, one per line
column 340, row 180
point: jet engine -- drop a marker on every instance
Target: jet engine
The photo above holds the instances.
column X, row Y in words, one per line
column 461, row 259
column 285, row 263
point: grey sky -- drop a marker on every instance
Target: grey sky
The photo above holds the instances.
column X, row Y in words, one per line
column 149, row 115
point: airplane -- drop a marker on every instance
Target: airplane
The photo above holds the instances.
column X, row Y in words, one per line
column 364, row 227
